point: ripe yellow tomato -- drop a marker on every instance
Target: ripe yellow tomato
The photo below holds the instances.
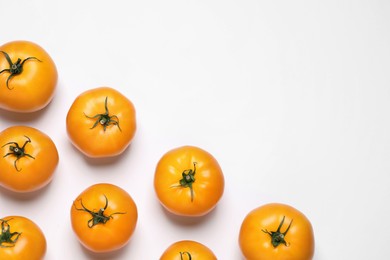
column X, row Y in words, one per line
column 28, row 77
column 103, row 217
column 28, row 159
column 276, row 232
column 20, row 239
column 187, row 250
column 188, row 181
column 101, row 122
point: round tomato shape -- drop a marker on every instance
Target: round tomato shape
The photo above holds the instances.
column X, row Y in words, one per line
column 276, row 232
column 104, row 217
column 28, row 77
column 21, row 238
column 188, row 181
column 28, row 159
column 187, row 250
column 101, row 122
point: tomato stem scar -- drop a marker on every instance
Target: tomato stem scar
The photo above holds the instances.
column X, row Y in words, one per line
column 7, row 239
column 105, row 119
column 18, row 151
column 15, row 68
column 98, row 217
column 277, row 237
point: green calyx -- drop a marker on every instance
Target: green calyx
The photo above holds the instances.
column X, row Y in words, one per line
column 278, row 237
column 185, row 253
column 17, row 151
column 188, row 179
column 7, row 238
column 98, row 217
column 105, row 119
column 15, row 68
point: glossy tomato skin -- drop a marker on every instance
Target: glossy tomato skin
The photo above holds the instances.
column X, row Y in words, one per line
column 206, row 189
column 32, row 171
column 121, row 215
column 182, row 250
column 255, row 242
column 35, row 86
column 31, row 243
column 98, row 141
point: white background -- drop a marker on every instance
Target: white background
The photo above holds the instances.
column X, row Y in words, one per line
column 291, row 97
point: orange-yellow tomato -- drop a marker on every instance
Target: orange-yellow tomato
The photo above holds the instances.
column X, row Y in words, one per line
column 20, row 239
column 188, row 181
column 103, row 217
column 28, row 159
column 187, row 250
column 28, row 77
column 101, row 122
column 276, row 232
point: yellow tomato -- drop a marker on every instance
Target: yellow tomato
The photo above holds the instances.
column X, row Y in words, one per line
column 28, row 159
column 28, row 77
column 101, row 122
column 187, row 250
column 104, row 217
column 276, row 232
column 188, row 181
column 21, row 239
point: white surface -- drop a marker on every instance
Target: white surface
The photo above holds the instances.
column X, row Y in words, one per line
column 291, row 97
